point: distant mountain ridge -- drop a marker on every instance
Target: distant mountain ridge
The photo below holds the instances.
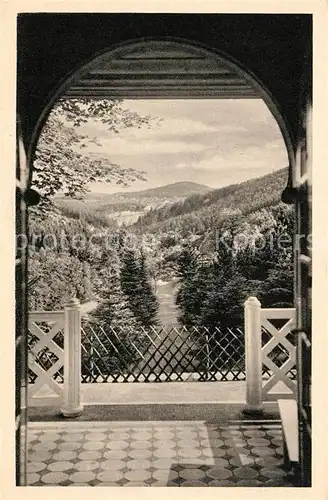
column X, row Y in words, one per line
column 126, row 207
column 182, row 188
column 181, row 207
column 206, row 210
column 176, row 189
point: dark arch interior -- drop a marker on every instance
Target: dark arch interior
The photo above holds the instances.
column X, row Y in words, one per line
column 272, row 47
column 164, row 69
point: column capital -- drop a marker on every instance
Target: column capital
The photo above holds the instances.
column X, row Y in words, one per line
column 253, row 302
column 73, row 302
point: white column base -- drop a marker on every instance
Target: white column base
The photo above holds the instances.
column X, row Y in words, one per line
column 72, row 412
column 253, row 409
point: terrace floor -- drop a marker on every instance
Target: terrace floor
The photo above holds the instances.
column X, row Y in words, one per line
column 156, row 453
column 156, row 393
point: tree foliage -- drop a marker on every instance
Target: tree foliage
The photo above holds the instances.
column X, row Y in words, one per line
column 62, row 162
column 189, row 296
column 114, row 310
column 199, row 213
column 213, row 294
column 56, row 278
column 135, row 282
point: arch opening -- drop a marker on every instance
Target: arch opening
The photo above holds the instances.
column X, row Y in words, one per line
column 165, row 68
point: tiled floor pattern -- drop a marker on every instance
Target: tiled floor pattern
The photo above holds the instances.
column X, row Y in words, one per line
column 156, row 454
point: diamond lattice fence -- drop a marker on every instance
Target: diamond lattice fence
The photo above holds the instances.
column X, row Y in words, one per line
column 45, row 357
column 158, row 354
column 161, row 354
column 279, row 355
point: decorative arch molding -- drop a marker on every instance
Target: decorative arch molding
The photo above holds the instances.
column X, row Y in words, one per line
column 167, row 68
column 160, row 69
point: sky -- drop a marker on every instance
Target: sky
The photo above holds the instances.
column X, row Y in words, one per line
column 212, row 142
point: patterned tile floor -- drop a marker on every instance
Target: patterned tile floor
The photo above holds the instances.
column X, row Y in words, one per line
column 156, row 454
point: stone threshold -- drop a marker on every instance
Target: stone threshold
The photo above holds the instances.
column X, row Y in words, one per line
column 211, row 413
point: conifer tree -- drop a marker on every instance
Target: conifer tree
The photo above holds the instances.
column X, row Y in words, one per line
column 135, row 283
column 129, row 277
column 114, row 310
column 112, row 330
column 277, row 289
column 191, row 290
column 148, row 303
column 226, row 292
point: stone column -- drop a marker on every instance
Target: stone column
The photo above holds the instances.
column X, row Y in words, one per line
column 72, row 359
column 253, row 355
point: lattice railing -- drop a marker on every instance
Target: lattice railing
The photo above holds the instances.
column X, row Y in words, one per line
column 45, row 352
column 270, row 354
column 279, row 352
column 263, row 353
column 54, row 358
column 161, row 354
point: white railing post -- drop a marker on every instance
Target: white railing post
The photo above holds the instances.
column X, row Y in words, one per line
column 72, row 359
column 253, row 355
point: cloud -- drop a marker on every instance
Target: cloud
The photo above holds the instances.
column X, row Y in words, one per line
column 119, row 146
column 192, row 128
column 180, row 128
column 208, row 141
column 275, row 145
column 273, row 154
column 168, row 128
column 208, row 110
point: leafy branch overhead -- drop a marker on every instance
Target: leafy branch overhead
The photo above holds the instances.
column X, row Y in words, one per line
column 62, row 161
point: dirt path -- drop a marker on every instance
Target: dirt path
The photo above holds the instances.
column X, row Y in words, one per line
column 168, row 311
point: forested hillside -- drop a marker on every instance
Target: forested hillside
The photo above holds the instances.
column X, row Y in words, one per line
column 201, row 219
column 253, row 258
column 124, row 208
column 222, row 246
column 200, row 212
